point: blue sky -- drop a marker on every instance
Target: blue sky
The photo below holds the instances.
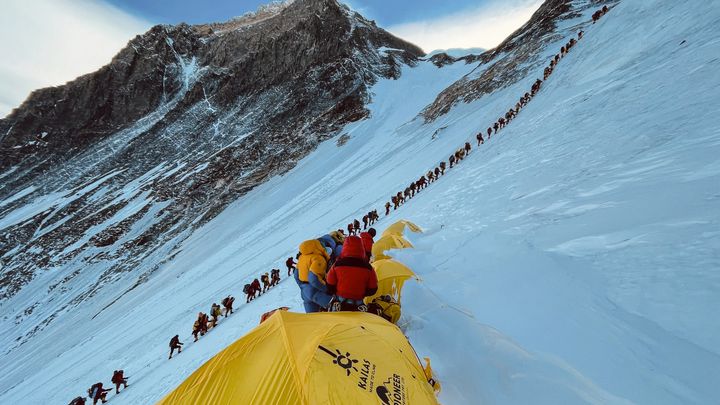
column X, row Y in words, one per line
column 385, row 12
column 49, row 42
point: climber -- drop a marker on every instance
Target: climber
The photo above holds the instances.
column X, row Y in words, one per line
column 468, row 147
column 406, row 194
column 387, row 207
column 312, row 268
column 437, row 172
column 227, row 302
column 215, row 313
column 274, row 277
column 365, row 221
column 413, row 188
column 367, row 241
column 338, row 237
column 118, row 379
column 496, row 126
column 175, row 344
column 536, row 86
column 256, row 288
column 452, row 160
column 247, row 290
column 351, row 278
column 328, row 242
column 442, row 168
column 480, row 138
column 196, row 330
column 290, row 265
column 351, row 229
column 401, row 199
column 265, row 278
column 458, row 158
column 97, row 392
column 78, row 401
column 199, row 326
column 373, row 217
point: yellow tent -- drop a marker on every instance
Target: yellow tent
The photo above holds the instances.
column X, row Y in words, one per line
column 391, row 276
column 388, row 242
column 398, row 228
column 320, row 358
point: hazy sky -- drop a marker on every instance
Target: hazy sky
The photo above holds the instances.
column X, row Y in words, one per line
column 49, row 42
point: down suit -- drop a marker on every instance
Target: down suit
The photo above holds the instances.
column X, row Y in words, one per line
column 310, row 275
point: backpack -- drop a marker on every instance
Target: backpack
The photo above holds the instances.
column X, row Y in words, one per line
column 246, row 289
column 78, row 401
column 225, row 301
column 385, row 307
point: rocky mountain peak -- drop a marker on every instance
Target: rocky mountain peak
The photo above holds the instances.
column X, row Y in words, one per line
column 121, row 164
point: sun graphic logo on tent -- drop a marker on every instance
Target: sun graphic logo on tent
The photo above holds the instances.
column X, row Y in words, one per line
column 343, row 360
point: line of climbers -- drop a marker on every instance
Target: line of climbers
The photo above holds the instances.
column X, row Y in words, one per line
column 596, row 15
column 368, row 219
column 97, row 393
column 204, row 323
column 254, row 289
column 432, row 175
column 334, row 271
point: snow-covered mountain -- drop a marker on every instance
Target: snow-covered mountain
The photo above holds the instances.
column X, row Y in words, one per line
column 120, row 165
column 572, row 258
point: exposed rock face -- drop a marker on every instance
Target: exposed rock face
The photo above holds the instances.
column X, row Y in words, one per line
column 513, row 58
column 121, row 164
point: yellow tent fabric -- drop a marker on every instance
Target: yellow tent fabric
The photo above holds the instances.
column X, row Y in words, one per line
column 311, row 359
column 391, row 276
column 430, row 377
column 386, row 243
column 398, row 228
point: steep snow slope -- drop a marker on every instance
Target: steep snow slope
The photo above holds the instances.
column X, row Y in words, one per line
column 573, row 258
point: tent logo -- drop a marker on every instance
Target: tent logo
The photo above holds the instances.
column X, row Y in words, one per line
column 392, row 391
column 383, row 393
column 343, row 360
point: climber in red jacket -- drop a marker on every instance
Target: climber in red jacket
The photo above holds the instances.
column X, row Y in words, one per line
column 367, row 241
column 351, row 278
